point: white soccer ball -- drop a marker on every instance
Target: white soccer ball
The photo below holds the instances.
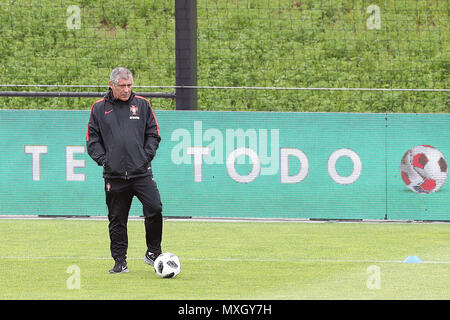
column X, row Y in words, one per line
column 424, row 169
column 167, row 265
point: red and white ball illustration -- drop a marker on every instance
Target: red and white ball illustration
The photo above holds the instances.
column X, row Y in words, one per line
column 424, row 169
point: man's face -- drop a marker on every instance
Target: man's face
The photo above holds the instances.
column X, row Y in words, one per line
column 122, row 90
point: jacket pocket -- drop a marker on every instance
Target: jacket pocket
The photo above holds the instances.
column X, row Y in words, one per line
column 112, row 165
column 142, row 163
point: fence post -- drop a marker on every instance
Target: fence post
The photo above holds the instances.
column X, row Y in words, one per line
column 186, row 53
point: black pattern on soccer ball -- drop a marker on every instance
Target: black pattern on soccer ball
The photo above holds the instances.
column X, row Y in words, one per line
column 160, row 266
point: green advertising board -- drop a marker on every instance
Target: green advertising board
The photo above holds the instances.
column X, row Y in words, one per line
column 232, row 164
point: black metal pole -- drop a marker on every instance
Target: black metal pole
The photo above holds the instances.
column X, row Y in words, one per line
column 186, row 53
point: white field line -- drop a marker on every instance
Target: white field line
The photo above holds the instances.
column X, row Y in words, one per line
column 293, row 260
column 224, row 219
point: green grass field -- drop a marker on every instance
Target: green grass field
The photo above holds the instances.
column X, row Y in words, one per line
column 228, row 260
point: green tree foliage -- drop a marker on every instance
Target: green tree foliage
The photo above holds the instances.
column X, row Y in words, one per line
column 241, row 43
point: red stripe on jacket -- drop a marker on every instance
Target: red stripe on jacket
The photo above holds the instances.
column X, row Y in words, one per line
column 92, row 107
column 154, row 116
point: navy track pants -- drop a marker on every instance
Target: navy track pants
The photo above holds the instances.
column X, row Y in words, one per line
column 119, row 195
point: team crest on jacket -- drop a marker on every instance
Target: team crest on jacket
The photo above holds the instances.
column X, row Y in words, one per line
column 133, row 112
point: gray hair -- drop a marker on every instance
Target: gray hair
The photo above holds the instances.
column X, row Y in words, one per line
column 120, row 73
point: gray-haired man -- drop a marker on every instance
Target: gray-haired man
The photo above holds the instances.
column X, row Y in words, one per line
column 123, row 136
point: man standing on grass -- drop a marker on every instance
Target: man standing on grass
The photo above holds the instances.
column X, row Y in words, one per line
column 123, row 136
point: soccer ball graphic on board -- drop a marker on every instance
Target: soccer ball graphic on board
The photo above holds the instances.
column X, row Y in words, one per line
column 424, row 169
